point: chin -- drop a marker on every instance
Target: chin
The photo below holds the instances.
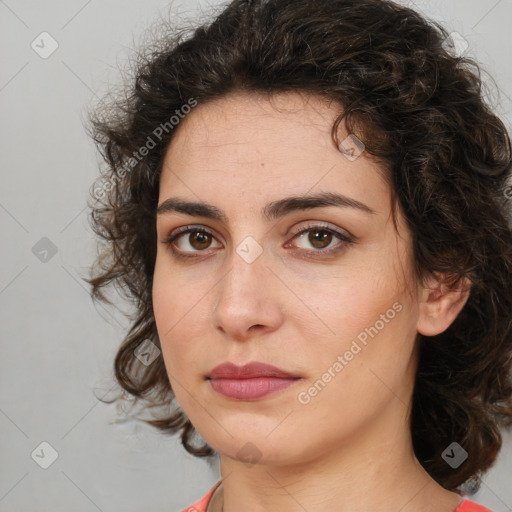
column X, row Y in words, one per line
column 260, row 450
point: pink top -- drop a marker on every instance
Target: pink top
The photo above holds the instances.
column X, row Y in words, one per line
column 200, row 505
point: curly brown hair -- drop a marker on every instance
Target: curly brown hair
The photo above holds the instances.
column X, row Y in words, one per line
column 421, row 112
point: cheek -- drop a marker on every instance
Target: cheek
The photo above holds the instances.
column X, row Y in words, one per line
column 337, row 306
column 182, row 310
column 164, row 305
column 175, row 297
column 173, row 311
column 368, row 319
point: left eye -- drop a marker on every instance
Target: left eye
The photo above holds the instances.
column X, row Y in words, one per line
column 320, row 237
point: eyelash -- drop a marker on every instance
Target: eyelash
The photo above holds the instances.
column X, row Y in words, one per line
column 347, row 240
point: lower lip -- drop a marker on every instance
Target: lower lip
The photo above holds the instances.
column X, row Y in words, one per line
column 250, row 389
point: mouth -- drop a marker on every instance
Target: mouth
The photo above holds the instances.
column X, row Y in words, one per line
column 251, row 389
column 251, row 381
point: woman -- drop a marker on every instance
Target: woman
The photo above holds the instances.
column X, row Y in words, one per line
column 306, row 202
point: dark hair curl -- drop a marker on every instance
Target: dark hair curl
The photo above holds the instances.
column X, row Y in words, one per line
column 419, row 109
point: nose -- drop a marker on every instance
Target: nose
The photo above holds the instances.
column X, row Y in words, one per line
column 247, row 301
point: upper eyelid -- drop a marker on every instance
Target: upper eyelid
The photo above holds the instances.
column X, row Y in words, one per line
column 310, row 224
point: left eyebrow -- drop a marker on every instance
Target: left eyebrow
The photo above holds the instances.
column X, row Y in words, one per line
column 271, row 211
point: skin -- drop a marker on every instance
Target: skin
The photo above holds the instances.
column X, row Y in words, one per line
column 349, row 448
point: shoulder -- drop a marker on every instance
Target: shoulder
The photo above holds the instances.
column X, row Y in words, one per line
column 200, row 505
column 470, row 506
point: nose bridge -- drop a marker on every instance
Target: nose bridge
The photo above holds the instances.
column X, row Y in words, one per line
column 246, row 276
column 246, row 259
column 243, row 298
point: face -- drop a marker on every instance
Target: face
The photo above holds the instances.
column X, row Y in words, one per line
column 323, row 290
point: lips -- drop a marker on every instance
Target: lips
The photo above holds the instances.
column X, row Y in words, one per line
column 249, row 371
column 251, row 381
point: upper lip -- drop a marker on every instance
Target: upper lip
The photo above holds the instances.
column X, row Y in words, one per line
column 229, row 370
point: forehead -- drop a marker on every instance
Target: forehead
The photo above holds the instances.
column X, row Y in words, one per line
column 248, row 143
column 256, row 122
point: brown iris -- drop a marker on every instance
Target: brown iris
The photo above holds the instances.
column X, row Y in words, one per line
column 319, row 237
column 203, row 240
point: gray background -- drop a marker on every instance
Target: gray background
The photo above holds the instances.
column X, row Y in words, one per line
column 57, row 346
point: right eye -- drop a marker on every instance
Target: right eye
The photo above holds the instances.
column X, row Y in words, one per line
column 197, row 241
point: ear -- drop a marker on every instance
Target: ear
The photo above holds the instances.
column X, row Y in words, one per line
column 440, row 303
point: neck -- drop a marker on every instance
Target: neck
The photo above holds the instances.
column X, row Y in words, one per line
column 362, row 475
